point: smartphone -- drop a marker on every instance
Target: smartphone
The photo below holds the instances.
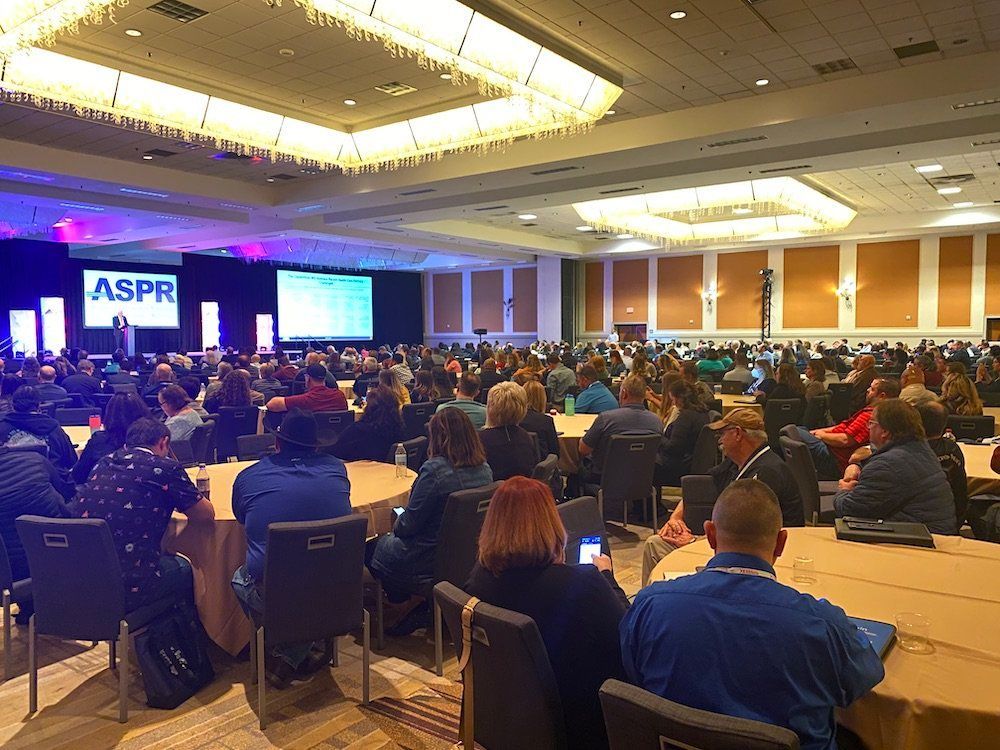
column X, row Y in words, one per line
column 589, row 546
column 398, row 510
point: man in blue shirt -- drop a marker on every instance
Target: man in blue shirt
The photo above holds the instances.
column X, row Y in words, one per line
column 594, row 396
column 733, row 640
column 296, row 484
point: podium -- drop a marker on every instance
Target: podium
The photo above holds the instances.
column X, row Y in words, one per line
column 128, row 340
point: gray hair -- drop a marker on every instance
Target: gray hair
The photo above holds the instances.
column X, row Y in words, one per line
column 370, row 364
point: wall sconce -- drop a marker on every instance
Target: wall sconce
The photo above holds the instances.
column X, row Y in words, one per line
column 508, row 306
column 846, row 292
column 709, row 297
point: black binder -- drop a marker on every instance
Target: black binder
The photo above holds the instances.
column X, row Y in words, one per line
column 875, row 531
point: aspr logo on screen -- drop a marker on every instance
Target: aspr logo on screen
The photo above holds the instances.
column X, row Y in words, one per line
column 128, row 290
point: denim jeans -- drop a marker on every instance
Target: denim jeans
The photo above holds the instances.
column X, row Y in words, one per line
column 176, row 580
column 253, row 606
column 826, row 464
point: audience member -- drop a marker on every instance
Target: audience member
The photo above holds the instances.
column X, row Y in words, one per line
column 536, row 420
column 8, row 385
column 959, row 396
column 912, row 389
column 510, row 450
column 673, row 459
column 162, row 376
column 401, row 369
column 234, row 391
column 522, row 567
column 465, row 400
column 122, row 411
column 136, row 490
column 902, row 480
column 734, row 641
column 740, row 371
column 711, row 363
column 934, row 418
column 26, row 427
column 297, row 483
column 317, row 396
column 376, row 433
column 424, row 391
column 84, row 382
column 368, row 377
column 47, row 388
column 788, row 385
column 559, row 379
column 451, row 364
column 181, row 418
column 594, row 396
column 763, row 378
column 703, row 392
column 266, row 383
column 815, row 378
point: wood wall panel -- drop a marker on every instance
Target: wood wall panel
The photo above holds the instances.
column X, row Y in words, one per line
column 525, row 299
column 593, row 296
column 888, row 284
column 993, row 274
column 679, row 283
column 955, row 281
column 738, row 288
column 630, row 290
column 809, row 283
column 446, row 289
column 487, row 300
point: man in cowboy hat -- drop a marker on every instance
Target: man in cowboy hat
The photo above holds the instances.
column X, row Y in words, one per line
column 298, row 483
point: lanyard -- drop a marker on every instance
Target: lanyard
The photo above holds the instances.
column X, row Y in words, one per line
column 753, row 458
column 743, row 572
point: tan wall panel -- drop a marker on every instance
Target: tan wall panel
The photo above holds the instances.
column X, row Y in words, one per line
column 955, row 281
column 888, row 284
column 446, row 289
column 738, row 287
column 993, row 274
column 810, row 279
column 593, row 296
column 679, row 283
column 525, row 299
column 487, row 300
column 630, row 289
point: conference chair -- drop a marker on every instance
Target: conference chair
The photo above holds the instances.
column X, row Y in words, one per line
column 101, row 400
column 629, row 464
column 699, row 494
column 840, row 400
column 332, row 423
column 777, row 413
column 440, row 401
column 800, row 463
column 76, row 401
column 716, row 405
column 254, row 447
column 76, row 417
column 203, row 442
column 706, row 453
column 298, row 387
column 416, row 453
column 415, row 419
column 510, row 698
column 639, row 720
column 313, row 574
column 581, row 517
column 79, row 595
column 12, row 592
column 547, row 471
column 817, row 411
column 457, row 548
column 656, row 387
column 125, row 388
column 232, row 422
column 990, row 398
column 971, row 428
column 48, row 408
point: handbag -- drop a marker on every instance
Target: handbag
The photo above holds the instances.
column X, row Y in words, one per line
column 172, row 656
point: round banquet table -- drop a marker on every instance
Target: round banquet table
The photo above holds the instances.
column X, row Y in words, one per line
column 78, row 436
column 570, row 430
column 982, row 479
column 947, row 699
column 347, row 388
column 216, row 550
column 732, row 401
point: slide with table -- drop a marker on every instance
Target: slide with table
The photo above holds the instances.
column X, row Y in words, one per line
column 323, row 306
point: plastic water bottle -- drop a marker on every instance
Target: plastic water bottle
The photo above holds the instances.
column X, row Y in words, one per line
column 400, row 461
column 202, row 482
column 570, row 405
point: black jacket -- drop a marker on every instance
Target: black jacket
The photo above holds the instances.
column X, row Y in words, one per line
column 24, row 428
column 772, row 471
column 545, row 427
column 362, row 441
column 510, row 451
column 85, row 385
column 27, row 487
column 677, row 448
column 101, row 444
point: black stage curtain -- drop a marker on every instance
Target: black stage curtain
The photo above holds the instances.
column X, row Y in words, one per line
column 30, row 269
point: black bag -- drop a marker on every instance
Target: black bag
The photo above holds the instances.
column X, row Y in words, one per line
column 173, row 659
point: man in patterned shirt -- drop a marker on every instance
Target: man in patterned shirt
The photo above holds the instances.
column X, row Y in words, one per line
column 136, row 489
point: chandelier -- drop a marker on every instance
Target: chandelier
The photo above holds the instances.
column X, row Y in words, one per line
column 535, row 90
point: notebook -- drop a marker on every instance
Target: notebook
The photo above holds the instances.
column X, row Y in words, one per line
column 880, row 634
column 875, row 531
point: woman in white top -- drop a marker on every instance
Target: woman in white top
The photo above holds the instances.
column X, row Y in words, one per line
column 181, row 418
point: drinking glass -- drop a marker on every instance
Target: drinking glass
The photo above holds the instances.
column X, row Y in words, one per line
column 914, row 632
column 804, row 570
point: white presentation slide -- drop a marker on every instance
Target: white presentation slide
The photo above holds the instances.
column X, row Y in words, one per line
column 324, row 306
column 149, row 300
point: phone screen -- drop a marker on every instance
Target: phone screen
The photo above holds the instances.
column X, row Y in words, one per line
column 398, row 511
column 589, row 546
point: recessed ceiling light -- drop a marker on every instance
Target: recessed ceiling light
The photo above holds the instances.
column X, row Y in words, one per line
column 270, row 179
column 925, row 168
column 526, row 217
column 963, row 204
column 88, row 236
column 224, row 251
column 446, row 76
column 949, row 190
column 147, row 157
column 585, row 228
column 626, row 236
column 762, row 81
column 133, row 32
column 742, row 210
column 286, row 52
column 610, row 112
column 677, row 15
column 349, row 102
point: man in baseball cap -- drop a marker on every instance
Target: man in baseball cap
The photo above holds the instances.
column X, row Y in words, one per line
column 743, row 440
column 317, row 396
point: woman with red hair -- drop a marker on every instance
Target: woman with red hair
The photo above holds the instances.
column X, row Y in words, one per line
column 577, row 608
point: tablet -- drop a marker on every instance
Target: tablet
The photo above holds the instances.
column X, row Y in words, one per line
column 880, row 634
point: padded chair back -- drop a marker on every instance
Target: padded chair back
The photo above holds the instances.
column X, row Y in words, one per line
column 990, row 398
column 6, row 574
column 971, row 428
column 203, row 442
column 254, row 447
column 332, row 423
column 458, row 539
column 101, row 400
column 628, row 467
column 415, row 419
column 298, row 387
column 699, row 493
column 639, row 720
column 80, row 417
column 516, row 700
column 777, row 413
column 48, row 408
column 416, row 453
column 716, row 405
column 800, row 462
column 582, row 517
column 733, row 387
column 817, row 412
column 547, row 471
column 76, row 579
column 313, row 579
column 706, row 451
column 234, row 421
column 124, row 388
column 840, row 400
column 183, row 452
